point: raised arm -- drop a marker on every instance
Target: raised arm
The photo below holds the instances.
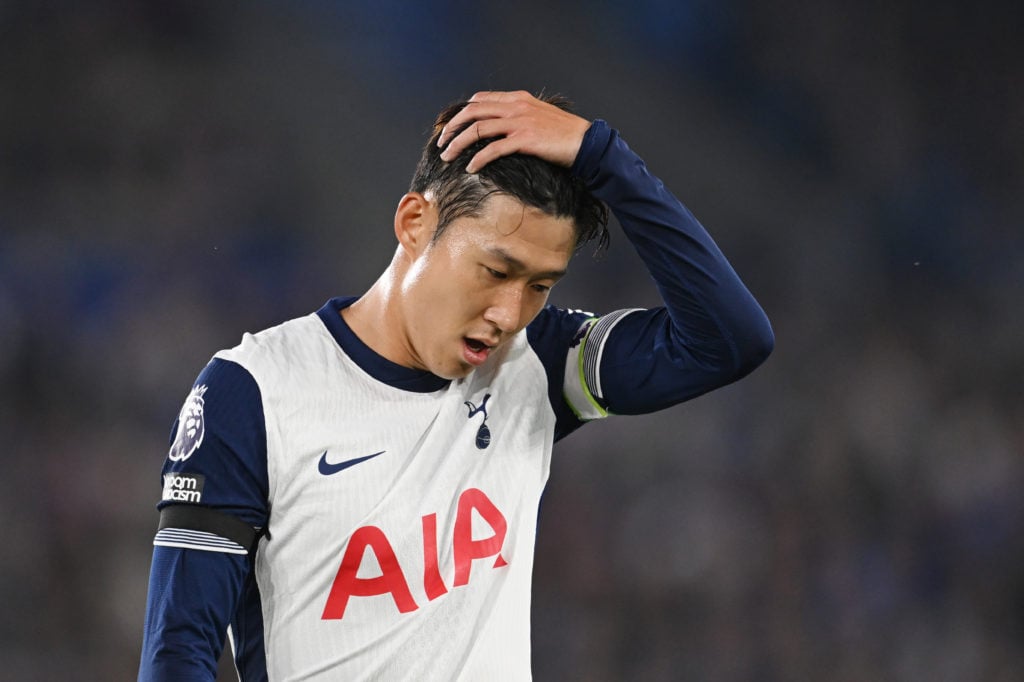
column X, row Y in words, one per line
column 710, row 331
column 521, row 123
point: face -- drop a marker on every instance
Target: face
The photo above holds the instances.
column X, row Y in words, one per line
column 481, row 282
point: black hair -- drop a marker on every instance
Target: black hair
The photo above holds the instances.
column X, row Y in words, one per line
column 534, row 182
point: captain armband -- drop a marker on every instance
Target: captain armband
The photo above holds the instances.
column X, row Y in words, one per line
column 582, row 383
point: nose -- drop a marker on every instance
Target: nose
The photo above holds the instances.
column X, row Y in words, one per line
column 505, row 309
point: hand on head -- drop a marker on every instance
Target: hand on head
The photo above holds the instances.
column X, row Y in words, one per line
column 521, row 123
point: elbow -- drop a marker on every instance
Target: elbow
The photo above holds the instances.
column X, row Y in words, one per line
column 755, row 343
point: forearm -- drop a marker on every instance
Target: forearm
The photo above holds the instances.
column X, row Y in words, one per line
column 712, row 330
column 192, row 596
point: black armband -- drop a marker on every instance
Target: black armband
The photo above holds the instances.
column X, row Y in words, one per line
column 188, row 517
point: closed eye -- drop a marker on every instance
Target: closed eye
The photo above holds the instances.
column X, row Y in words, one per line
column 496, row 274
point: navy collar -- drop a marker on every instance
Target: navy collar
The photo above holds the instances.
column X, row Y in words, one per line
column 374, row 364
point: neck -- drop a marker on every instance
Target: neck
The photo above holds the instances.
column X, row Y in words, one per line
column 376, row 317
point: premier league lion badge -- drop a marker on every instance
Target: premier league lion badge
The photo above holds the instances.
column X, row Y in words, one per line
column 190, row 426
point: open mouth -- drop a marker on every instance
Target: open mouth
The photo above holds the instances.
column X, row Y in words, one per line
column 475, row 352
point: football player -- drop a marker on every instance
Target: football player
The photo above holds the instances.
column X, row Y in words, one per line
column 353, row 494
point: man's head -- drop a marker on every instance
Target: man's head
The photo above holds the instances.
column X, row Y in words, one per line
column 532, row 181
column 478, row 252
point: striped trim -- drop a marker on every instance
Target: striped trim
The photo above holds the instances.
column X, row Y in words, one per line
column 593, row 348
column 196, row 539
column 582, row 382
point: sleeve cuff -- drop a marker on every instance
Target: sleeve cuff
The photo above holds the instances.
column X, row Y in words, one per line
column 592, row 149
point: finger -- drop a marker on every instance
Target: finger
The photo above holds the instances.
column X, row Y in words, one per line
column 486, row 96
column 474, row 111
column 500, row 96
column 470, row 135
column 483, row 105
column 474, row 133
column 495, row 150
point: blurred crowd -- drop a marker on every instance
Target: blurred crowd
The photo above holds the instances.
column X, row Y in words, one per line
column 175, row 174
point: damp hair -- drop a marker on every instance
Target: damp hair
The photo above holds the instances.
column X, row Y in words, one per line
column 534, row 182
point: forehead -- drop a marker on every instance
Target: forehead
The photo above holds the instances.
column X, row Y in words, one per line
column 507, row 227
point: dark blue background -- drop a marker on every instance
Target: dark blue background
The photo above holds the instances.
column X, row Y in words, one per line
column 174, row 174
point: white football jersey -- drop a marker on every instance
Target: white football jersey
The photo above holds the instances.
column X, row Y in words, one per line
column 396, row 511
column 402, row 524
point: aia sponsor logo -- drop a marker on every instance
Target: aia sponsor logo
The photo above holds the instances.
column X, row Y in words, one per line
column 394, row 580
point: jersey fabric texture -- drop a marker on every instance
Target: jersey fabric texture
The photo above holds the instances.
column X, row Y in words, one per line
column 337, row 516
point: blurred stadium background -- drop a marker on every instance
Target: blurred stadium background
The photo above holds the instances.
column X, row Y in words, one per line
column 174, row 174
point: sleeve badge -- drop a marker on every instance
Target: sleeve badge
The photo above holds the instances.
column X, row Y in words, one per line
column 191, row 427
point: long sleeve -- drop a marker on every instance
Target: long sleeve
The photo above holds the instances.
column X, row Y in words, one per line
column 213, row 504
column 710, row 331
column 192, row 598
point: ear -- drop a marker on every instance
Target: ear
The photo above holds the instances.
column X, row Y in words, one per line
column 415, row 223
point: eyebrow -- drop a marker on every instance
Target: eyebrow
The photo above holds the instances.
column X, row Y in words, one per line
column 516, row 264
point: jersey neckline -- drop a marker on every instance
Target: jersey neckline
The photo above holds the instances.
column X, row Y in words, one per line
column 371, row 362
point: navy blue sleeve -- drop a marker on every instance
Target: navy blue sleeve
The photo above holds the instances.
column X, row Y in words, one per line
column 200, row 580
column 220, row 441
column 192, row 598
column 550, row 334
column 710, row 331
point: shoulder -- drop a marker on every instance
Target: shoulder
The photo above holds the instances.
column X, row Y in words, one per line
column 281, row 338
column 558, row 326
column 554, row 335
column 273, row 353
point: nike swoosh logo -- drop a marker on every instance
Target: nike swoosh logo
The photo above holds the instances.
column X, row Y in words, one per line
column 326, row 468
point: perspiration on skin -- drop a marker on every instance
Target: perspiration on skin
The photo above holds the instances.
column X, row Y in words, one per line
column 445, row 303
column 444, row 512
column 482, row 282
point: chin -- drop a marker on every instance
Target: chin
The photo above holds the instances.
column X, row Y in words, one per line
column 453, row 374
